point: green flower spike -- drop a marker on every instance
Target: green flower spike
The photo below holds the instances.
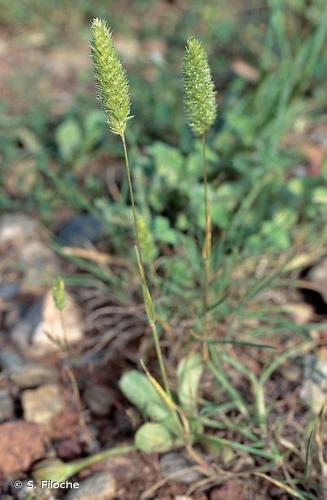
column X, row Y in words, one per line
column 199, row 89
column 112, row 83
column 58, row 293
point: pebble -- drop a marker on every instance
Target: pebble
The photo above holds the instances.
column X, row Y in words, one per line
column 43, row 404
column 172, row 463
column 98, row 399
column 32, row 492
column 314, row 387
column 68, row 449
column 42, row 320
column 81, row 230
column 32, row 375
column 28, row 253
column 7, row 407
column 99, row 486
column 17, row 228
column 318, row 276
column 233, row 489
column 8, row 291
column 9, row 359
column 24, row 374
column 21, row 443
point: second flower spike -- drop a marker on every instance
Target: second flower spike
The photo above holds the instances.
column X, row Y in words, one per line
column 199, row 90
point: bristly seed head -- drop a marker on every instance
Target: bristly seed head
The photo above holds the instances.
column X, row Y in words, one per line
column 58, row 293
column 112, row 83
column 199, row 89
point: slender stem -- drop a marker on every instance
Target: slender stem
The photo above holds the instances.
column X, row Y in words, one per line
column 102, row 455
column 159, row 356
column 142, row 272
column 131, row 194
column 206, row 253
column 72, row 379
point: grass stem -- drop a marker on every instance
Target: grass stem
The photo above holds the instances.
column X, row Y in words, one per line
column 146, row 291
column 206, row 252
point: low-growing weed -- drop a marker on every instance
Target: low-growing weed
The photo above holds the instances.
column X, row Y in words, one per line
column 211, row 277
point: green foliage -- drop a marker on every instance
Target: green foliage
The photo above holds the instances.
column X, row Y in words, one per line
column 137, row 388
column 153, row 438
column 112, row 84
column 68, row 138
column 262, row 202
column 166, row 432
column 76, row 138
column 198, row 88
column 139, row 391
column 189, row 372
column 59, row 294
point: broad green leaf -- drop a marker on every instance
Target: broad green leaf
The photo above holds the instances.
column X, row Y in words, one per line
column 139, row 391
column 153, row 438
column 69, row 139
column 189, row 372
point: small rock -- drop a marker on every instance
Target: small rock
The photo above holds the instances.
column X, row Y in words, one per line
column 81, row 230
column 9, row 359
column 98, row 399
column 8, row 291
column 29, row 491
column 313, row 396
column 42, row 404
column 314, row 388
column 318, row 276
column 42, row 321
column 21, row 443
column 68, row 449
column 230, row 490
column 99, row 486
column 7, row 408
column 17, row 228
column 178, row 468
column 127, row 468
column 31, row 375
column 25, row 374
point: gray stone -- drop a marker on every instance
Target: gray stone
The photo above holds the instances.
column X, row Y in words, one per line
column 99, row 486
column 81, row 230
column 43, row 329
column 42, row 404
column 178, row 468
column 30, row 491
column 7, row 408
column 9, row 291
column 15, row 229
column 314, row 387
column 9, row 359
column 32, row 375
column 318, row 276
column 25, row 374
column 98, row 399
